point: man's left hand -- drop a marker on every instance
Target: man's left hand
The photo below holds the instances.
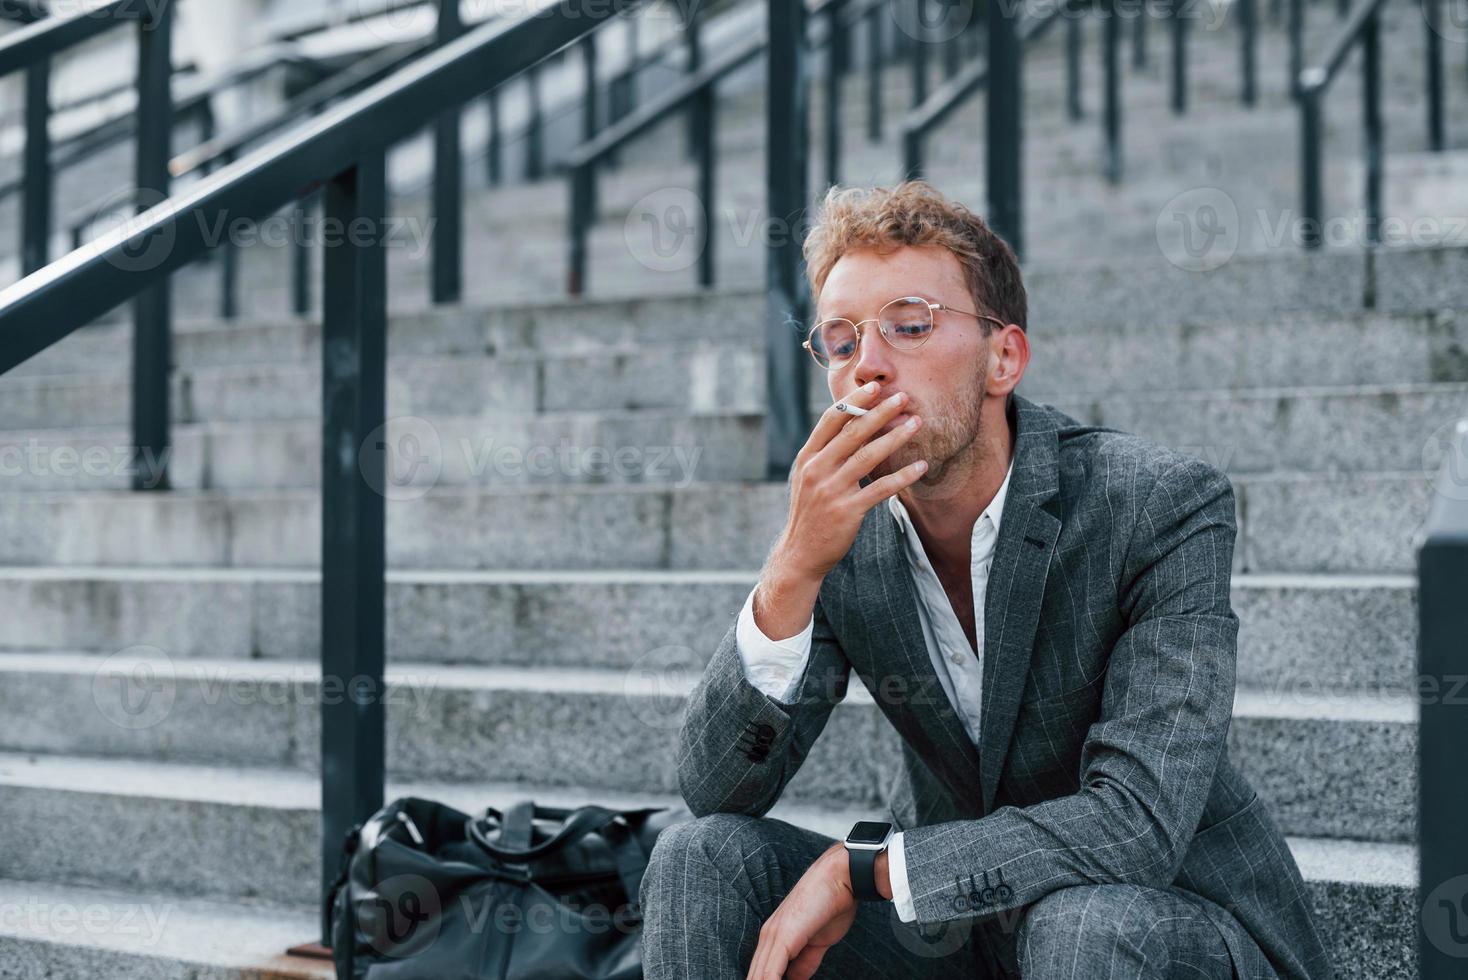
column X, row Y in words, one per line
column 815, row 915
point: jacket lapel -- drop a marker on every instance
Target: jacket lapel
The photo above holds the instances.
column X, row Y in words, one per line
column 920, row 709
column 1028, row 530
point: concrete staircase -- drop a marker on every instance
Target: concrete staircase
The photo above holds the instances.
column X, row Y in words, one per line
column 579, row 513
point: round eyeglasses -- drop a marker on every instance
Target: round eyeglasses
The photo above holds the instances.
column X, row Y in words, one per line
column 906, row 323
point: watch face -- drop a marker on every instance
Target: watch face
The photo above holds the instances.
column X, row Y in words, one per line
column 868, row 832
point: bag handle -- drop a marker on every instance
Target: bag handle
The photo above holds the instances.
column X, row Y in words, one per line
column 515, row 833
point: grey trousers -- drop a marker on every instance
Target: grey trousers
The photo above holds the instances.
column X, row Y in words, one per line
column 712, row 881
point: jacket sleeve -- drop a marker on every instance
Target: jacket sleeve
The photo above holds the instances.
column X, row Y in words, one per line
column 738, row 746
column 1148, row 761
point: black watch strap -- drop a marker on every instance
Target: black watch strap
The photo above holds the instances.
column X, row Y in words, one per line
column 864, row 874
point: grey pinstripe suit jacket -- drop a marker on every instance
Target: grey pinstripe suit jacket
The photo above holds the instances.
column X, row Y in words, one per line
column 1108, row 690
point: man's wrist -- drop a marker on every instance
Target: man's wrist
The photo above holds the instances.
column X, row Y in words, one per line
column 884, row 880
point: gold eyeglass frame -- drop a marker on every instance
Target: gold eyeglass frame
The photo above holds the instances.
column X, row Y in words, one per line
column 932, row 308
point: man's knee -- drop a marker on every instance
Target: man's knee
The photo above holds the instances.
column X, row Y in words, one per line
column 1076, row 925
column 717, row 843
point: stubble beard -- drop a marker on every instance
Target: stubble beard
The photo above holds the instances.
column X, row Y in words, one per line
column 948, row 440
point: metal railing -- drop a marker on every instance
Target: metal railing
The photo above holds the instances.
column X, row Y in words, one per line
column 31, row 49
column 933, row 111
column 1442, row 666
column 695, row 93
column 343, row 152
column 1362, row 27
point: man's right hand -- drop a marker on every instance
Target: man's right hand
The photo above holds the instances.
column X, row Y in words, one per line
column 827, row 504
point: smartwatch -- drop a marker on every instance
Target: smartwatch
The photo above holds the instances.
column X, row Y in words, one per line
column 864, row 842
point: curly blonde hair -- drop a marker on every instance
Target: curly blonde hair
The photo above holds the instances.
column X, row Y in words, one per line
column 916, row 213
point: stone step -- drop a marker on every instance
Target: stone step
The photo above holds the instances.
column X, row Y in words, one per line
column 1089, row 294
column 709, row 370
column 1364, row 428
column 215, row 822
column 500, row 449
column 1310, row 634
column 53, row 930
column 1325, row 430
column 1329, row 764
column 1345, row 522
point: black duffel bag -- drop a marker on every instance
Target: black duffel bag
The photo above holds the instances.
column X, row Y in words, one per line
column 531, row 893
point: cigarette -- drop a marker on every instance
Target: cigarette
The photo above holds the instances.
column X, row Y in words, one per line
column 850, row 409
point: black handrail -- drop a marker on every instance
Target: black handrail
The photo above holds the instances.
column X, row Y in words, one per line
column 1363, row 27
column 1442, row 793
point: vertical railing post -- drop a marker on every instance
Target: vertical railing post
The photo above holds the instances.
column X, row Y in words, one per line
column 492, row 159
column 301, row 256
column 1004, row 132
column 448, row 182
column 152, row 330
column 1371, row 122
column 705, row 107
column 1442, row 793
column 35, row 222
column 1248, row 38
column 1139, row 37
column 1073, row 42
column 919, row 34
column 787, row 372
column 582, row 214
column 1312, row 204
column 1297, row 45
column 229, row 267
column 693, row 44
column 952, row 50
column 533, row 145
column 589, row 124
column 835, row 55
column 1435, row 133
column 875, row 18
column 1112, row 116
column 1179, row 58
column 354, row 474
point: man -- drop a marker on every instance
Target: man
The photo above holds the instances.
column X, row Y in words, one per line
column 1042, row 611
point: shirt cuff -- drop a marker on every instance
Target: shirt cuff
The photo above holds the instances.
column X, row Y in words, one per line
column 773, row 666
column 897, row 874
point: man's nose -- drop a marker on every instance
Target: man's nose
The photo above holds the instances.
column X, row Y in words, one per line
column 873, row 356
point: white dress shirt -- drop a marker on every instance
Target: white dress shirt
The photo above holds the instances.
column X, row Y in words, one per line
column 776, row 667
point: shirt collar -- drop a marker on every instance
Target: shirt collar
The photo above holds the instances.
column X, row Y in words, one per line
column 994, row 511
